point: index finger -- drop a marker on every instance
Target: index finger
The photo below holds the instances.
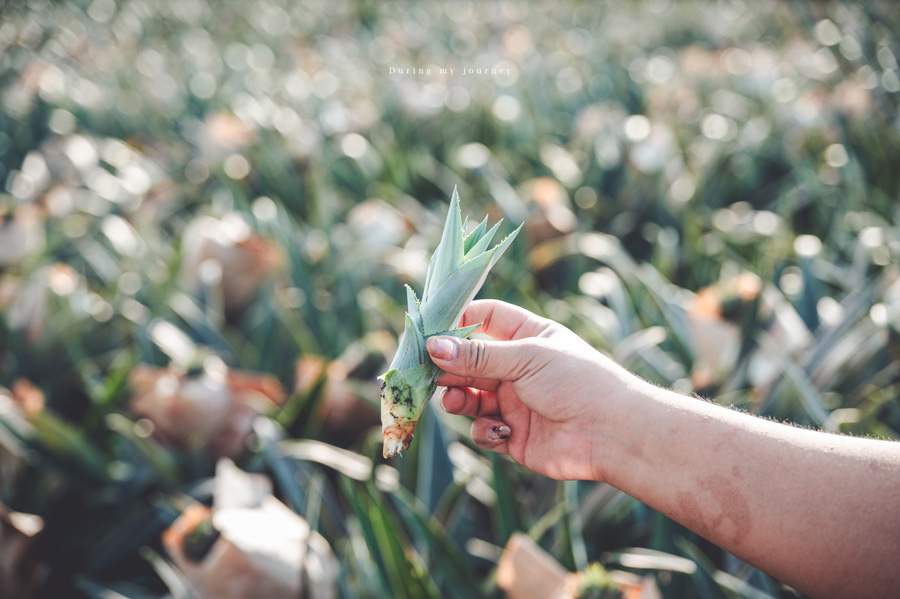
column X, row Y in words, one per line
column 454, row 380
column 503, row 321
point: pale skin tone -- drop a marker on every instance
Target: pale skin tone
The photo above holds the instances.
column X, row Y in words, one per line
column 818, row 511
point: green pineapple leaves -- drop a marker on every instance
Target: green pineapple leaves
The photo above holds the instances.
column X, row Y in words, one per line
column 456, row 272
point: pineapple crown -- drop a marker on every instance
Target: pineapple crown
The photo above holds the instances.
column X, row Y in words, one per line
column 456, row 272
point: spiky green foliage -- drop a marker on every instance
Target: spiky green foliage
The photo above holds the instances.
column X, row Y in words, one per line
column 456, row 272
column 112, row 86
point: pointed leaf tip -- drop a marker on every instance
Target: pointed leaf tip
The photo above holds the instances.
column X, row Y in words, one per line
column 413, row 306
column 501, row 247
column 449, row 253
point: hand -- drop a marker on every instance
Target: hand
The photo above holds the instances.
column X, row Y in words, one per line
column 538, row 392
column 812, row 509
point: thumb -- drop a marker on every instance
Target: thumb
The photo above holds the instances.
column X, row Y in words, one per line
column 499, row 360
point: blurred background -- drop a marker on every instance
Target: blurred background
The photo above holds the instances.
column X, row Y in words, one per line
column 209, row 209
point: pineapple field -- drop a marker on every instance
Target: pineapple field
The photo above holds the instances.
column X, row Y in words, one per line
column 221, row 222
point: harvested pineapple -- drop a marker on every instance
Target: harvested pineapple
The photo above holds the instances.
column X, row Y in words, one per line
column 457, row 270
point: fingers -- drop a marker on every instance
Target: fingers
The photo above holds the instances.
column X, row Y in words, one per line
column 500, row 360
column 503, row 321
column 469, row 402
column 453, row 380
column 490, row 433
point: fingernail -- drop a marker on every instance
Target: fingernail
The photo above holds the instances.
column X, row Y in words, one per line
column 443, row 395
column 500, row 432
column 441, row 348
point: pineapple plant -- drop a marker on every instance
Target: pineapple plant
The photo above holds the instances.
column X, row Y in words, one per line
column 456, row 272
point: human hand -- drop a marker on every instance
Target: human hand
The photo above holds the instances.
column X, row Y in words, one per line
column 545, row 397
column 538, row 392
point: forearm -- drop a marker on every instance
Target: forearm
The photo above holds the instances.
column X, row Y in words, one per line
column 820, row 512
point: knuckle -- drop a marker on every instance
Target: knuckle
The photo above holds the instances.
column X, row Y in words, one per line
column 486, row 325
column 476, row 355
column 531, row 352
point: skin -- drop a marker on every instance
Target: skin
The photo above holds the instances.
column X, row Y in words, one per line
column 818, row 511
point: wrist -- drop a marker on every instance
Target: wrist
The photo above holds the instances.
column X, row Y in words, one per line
column 620, row 437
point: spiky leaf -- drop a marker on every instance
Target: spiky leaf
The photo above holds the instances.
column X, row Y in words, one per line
column 456, row 272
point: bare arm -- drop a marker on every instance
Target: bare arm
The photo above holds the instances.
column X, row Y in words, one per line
column 820, row 512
